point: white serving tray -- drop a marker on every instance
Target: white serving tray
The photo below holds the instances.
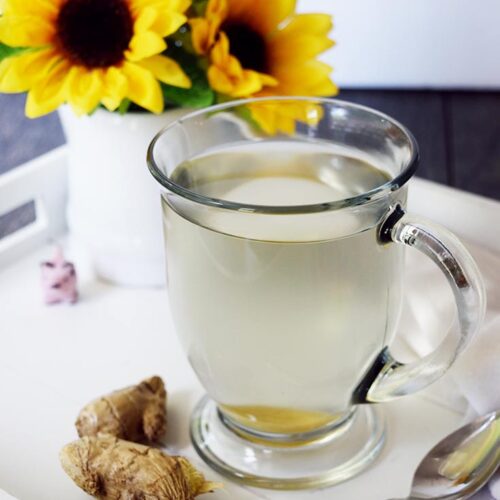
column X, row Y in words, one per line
column 53, row 360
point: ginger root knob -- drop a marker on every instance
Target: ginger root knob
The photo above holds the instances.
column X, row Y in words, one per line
column 137, row 413
column 112, row 469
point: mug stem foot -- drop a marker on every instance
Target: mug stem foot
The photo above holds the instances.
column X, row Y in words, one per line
column 338, row 454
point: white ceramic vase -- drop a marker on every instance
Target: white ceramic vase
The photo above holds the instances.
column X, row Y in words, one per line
column 114, row 204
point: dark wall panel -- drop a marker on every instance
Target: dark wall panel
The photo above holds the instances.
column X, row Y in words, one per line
column 22, row 139
column 475, row 141
column 419, row 111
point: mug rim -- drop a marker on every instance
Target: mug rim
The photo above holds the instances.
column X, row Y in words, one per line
column 361, row 199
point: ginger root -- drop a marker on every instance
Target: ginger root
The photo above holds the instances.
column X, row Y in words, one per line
column 137, row 413
column 112, row 469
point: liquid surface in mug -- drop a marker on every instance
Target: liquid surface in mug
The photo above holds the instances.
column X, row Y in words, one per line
column 280, row 333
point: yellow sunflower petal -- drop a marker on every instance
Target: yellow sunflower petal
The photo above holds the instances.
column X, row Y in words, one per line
column 35, row 8
column 85, row 89
column 265, row 116
column 180, row 5
column 166, row 25
column 116, row 88
column 145, row 45
column 142, row 4
column 307, row 78
column 203, row 33
column 204, row 29
column 298, row 48
column 263, row 15
column 249, row 84
column 167, row 71
column 285, row 124
column 324, row 88
column 268, row 80
column 313, row 24
column 220, row 57
column 19, row 73
column 305, row 112
column 274, row 117
column 25, row 31
column 220, row 52
column 303, row 38
column 200, row 34
column 213, row 29
column 160, row 22
column 143, row 88
column 167, row 6
column 219, row 80
column 145, row 19
column 48, row 94
column 217, row 9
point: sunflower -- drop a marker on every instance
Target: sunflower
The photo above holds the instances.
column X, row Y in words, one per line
column 262, row 48
column 87, row 52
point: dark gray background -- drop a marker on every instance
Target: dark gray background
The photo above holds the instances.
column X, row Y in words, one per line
column 458, row 133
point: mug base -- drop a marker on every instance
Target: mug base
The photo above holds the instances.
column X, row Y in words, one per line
column 339, row 454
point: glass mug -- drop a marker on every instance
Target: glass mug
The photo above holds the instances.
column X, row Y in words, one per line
column 285, row 230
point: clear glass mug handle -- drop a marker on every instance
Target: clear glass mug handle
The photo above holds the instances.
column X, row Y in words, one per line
column 388, row 379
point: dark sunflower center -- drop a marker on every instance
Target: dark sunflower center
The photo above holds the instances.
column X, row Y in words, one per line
column 247, row 46
column 95, row 33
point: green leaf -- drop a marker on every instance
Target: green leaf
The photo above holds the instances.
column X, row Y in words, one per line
column 6, row 51
column 246, row 114
column 200, row 94
column 124, row 106
column 199, row 7
column 182, row 39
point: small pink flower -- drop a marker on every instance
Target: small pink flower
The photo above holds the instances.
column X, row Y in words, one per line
column 59, row 281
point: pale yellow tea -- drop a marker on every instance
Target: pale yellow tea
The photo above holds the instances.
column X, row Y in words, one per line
column 280, row 328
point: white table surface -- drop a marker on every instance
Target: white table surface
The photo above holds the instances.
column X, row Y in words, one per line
column 53, row 360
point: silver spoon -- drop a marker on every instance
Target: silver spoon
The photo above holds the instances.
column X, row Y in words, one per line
column 462, row 463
